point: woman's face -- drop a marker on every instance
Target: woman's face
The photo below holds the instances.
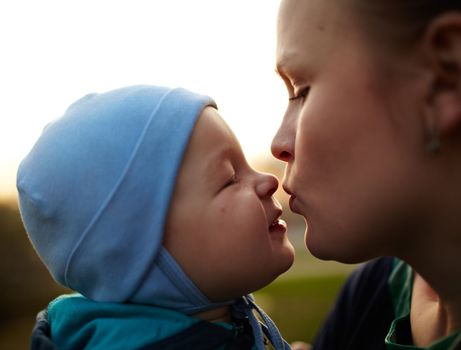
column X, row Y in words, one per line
column 351, row 136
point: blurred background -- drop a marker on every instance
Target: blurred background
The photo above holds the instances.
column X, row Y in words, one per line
column 54, row 52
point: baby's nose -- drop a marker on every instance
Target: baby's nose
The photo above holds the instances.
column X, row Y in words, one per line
column 267, row 185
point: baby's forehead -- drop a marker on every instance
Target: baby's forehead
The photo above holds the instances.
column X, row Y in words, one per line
column 212, row 130
column 212, row 145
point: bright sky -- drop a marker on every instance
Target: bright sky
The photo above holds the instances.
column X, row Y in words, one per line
column 54, row 52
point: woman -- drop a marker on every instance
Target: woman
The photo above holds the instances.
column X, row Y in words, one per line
column 372, row 143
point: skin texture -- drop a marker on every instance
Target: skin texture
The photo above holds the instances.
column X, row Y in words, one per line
column 220, row 225
column 354, row 138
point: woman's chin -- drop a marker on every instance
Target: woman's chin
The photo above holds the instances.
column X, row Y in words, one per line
column 332, row 251
column 321, row 249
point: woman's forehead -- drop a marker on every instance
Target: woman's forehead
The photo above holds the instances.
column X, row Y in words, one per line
column 310, row 30
column 312, row 14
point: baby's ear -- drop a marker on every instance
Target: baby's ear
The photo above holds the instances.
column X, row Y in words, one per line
column 442, row 45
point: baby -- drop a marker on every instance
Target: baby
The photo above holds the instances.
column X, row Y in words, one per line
column 141, row 200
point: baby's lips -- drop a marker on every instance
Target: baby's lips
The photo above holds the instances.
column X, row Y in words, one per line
column 275, row 218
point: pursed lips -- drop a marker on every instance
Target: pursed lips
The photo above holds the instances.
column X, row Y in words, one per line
column 292, row 202
column 293, row 206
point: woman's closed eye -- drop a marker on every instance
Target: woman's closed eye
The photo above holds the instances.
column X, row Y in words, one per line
column 301, row 95
column 231, row 181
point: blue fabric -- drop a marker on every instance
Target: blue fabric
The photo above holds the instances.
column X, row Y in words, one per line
column 168, row 282
column 247, row 306
column 111, row 325
column 94, row 324
column 41, row 334
column 95, row 189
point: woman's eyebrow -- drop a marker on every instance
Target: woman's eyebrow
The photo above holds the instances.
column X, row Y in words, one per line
column 279, row 71
column 281, row 65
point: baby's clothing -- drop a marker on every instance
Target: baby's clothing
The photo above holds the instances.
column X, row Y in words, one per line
column 74, row 322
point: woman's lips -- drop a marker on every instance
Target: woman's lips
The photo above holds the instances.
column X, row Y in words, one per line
column 293, row 205
column 292, row 202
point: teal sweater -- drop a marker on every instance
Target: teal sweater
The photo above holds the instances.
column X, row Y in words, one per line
column 77, row 322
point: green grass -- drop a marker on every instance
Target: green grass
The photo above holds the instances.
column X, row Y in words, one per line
column 299, row 305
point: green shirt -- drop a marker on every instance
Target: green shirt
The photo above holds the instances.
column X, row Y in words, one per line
column 399, row 335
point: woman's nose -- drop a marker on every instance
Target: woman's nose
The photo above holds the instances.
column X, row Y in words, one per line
column 283, row 143
column 267, row 184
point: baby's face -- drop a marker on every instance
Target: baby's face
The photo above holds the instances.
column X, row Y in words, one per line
column 224, row 226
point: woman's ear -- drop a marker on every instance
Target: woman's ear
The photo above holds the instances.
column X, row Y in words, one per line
column 442, row 45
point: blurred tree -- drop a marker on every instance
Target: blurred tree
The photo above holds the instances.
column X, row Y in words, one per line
column 26, row 286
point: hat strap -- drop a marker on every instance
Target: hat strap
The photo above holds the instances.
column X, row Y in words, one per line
column 245, row 306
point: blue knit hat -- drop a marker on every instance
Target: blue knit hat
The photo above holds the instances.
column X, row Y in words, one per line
column 95, row 189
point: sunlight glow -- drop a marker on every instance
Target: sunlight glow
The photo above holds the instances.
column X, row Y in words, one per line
column 54, row 52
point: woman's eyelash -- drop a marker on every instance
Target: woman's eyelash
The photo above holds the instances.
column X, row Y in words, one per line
column 231, row 181
column 303, row 94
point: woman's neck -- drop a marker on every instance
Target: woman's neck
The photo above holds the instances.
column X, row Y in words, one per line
column 220, row 314
column 432, row 317
column 436, row 298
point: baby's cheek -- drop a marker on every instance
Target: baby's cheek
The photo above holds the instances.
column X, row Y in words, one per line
column 243, row 210
column 253, row 218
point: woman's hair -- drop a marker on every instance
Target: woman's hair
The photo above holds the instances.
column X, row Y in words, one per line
column 401, row 22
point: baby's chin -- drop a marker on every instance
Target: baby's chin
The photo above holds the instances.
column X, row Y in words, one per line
column 285, row 268
column 235, row 290
column 282, row 269
column 287, row 259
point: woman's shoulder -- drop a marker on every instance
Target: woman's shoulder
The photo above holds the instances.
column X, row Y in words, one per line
column 363, row 310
